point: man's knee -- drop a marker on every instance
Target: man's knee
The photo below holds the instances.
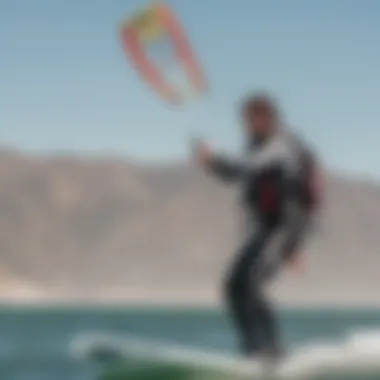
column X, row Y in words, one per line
column 236, row 286
column 242, row 278
column 241, row 285
column 229, row 289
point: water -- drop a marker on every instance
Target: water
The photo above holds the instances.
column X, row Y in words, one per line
column 34, row 342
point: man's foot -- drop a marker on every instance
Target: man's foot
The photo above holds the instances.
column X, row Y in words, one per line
column 273, row 355
column 251, row 351
column 269, row 355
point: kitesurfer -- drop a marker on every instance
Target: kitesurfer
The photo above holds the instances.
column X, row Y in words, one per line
column 279, row 195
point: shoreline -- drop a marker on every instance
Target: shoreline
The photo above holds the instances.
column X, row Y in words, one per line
column 162, row 303
column 29, row 297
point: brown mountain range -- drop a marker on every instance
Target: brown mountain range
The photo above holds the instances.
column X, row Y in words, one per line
column 103, row 228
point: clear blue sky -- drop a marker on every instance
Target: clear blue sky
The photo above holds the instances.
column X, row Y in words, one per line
column 65, row 83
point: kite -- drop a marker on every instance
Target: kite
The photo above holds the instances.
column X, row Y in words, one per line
column 159, row 49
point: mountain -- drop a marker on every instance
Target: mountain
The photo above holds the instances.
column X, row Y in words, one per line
column 104, row 229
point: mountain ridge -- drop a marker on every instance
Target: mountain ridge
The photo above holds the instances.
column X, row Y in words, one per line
column 76, row 227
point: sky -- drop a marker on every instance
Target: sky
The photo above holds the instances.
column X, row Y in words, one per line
column 66, row 84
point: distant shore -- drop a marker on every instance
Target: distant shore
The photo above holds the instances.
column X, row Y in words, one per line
column 169, row 300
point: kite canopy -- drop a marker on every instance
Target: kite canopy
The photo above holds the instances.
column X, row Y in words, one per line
column 157, row 45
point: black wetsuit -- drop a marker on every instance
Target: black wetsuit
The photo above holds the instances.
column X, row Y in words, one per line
column 274, row 180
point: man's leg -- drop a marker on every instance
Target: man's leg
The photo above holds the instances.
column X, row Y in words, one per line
column 265, row 268
column 258, row 261
column 246, row 310
column 267, row 322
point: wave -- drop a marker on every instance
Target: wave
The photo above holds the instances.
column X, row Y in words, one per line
column 139, row 358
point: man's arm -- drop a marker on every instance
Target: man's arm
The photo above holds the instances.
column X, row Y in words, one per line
column 225, row 169
column 299, row 229
column 222, row 167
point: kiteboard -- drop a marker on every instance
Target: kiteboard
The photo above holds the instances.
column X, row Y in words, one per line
column 359, row 353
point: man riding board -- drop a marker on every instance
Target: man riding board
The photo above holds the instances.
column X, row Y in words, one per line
column 279, row 194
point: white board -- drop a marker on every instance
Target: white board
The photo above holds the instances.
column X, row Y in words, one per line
column 361, row 352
